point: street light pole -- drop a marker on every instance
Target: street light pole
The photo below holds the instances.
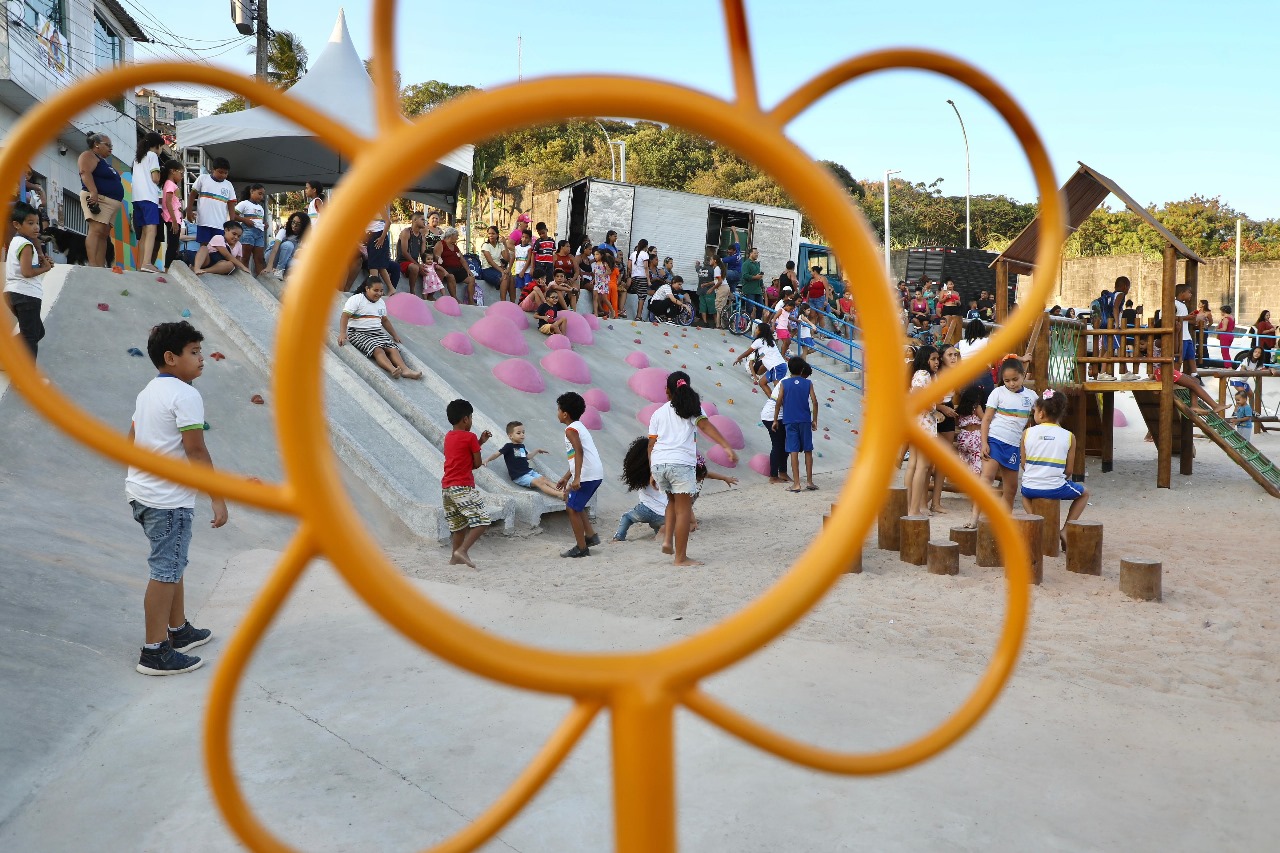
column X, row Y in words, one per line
column 888, row 265
column 967, row 230
column 608, row 143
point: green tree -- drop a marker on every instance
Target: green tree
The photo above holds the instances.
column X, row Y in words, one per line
column 286, row 63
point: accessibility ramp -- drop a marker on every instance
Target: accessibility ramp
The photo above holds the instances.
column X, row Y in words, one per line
column 367, row 434
column 1223, row 434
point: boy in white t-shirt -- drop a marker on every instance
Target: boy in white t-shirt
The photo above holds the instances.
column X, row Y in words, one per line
column 224, row 253
column 213, row 199
column 169, row 419
column 24, row 270
column 585, row 473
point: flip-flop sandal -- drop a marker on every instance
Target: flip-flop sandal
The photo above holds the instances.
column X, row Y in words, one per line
column 811, row 488
column 795, row 491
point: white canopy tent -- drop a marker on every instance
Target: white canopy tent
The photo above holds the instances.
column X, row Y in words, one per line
column 263, row 147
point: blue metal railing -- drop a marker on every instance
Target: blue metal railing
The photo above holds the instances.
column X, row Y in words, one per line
column 850, row 343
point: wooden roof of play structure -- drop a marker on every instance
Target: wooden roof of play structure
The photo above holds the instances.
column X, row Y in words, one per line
column 1083, row 192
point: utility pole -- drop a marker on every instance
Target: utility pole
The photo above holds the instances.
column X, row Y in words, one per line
column 888, row 263
column 519, row 58
column 263, row 36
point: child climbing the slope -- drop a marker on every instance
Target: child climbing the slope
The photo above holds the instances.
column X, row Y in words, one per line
column 370, row 330
column 1047, row 451
column 673, row 460
column 585, row 473
column 1008, row 414
column 518, row 468
column 764, row 348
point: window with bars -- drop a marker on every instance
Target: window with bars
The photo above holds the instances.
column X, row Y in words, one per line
column 54, row 10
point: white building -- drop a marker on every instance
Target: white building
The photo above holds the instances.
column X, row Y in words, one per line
column 45, row 45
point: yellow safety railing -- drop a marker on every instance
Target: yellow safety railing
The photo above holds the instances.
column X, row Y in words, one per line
column 641, row 690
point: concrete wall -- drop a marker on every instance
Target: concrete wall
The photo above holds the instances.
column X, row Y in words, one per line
column 1083, row 279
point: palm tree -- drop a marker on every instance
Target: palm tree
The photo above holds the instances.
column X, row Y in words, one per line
column 286, row 59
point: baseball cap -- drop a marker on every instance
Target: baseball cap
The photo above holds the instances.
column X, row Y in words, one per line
column 524, row 217
column 786, row 289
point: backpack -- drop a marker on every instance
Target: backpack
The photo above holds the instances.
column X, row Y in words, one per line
column 473, row 263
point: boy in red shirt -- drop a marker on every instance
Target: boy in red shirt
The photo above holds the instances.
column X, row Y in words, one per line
column 463, row 505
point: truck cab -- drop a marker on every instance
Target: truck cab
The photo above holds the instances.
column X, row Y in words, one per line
column 812, row 255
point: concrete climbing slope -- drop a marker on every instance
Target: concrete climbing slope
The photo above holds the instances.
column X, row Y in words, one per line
column 73, row 568
column 510, row 372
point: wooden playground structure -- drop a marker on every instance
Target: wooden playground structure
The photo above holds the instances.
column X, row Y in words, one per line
column 1060, row 358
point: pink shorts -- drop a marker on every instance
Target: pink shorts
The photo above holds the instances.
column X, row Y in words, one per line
column 784, row 334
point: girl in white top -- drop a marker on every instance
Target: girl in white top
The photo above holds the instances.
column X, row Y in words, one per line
column 1047, row 451
column 777, row 437
column 1008, row 413
column 673, row 459
column 782, row 325
column 925, row 368
column 652, row 506
column 767, row 350
column 366, row 326
column 315, row 193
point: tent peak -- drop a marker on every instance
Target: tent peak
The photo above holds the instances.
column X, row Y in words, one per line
column 340, row 33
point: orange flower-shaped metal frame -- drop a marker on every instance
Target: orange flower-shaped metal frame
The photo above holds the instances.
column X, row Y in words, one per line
column 641, row 689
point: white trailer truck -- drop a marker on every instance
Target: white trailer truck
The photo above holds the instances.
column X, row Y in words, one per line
column 683, row 226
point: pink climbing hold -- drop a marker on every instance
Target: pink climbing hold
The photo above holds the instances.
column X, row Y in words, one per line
column 409, row 308
column 635, row 358
column 597, row 398
column 511, row 311
column 760, row 464
column 717, row 455
column 520, row 375
column 646, row 414
column 498, row 334
column 567, row 365
column 448, row 305
column 577, row 329
column 731, row 431
column 650, row 383
column 591, row 419
column 593, row 321
column 1119, row 419
column 710, row 409
column 457, row 342
column 557, row 341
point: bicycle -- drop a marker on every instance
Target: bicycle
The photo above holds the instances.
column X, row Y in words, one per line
column 737, row 319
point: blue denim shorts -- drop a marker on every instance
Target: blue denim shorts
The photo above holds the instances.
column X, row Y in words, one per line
column 169, row 531
column 675, row 479
column 526, row 479
column 253, row 237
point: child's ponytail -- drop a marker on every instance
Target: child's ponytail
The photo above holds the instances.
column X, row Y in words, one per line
column 684, row 399
column 1053, row 405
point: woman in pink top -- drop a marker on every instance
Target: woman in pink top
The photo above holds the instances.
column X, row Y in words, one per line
column 171, row 210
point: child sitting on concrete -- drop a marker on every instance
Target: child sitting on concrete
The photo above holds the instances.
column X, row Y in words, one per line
column 518, row 468
column 223, row 254
column 549, row 321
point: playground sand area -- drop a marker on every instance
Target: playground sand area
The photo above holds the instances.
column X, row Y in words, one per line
column 1214, row 635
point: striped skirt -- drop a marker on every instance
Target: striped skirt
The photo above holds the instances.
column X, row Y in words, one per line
column 368, row 340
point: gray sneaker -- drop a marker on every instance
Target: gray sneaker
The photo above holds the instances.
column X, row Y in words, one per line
column 165, row 661
column 593, row 541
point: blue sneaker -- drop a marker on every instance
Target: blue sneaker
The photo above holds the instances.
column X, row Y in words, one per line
column 188, row 637
column 165, row 661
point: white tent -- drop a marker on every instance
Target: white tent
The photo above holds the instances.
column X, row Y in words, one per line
column 265, row 148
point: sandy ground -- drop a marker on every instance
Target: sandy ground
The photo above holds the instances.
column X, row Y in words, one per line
column 1214, row 635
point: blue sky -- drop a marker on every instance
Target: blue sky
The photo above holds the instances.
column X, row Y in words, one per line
column 1169, row 98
